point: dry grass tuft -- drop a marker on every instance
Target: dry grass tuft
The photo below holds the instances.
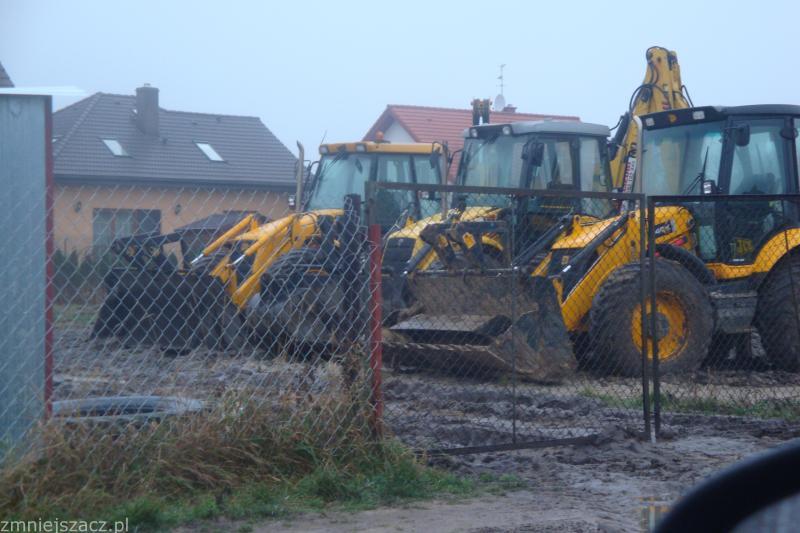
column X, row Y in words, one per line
column 82, row 470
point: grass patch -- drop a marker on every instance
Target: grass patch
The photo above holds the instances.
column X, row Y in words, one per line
column 240, row 461
column 74, row 315
column 776, row 408
column 391, row 475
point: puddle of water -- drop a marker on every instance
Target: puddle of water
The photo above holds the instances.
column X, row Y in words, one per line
column 651, row 511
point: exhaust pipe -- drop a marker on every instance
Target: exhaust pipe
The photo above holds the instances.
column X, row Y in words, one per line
column 298, row 201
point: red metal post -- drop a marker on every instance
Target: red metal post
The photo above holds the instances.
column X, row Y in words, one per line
column 376, row 301
column 49, row 269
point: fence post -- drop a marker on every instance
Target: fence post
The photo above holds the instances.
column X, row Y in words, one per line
column 643, row 239
column 651, row 250
column 376, row 311
column 514, row 312
column 50, row 293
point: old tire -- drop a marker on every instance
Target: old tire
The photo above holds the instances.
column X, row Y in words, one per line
column 777, row 317
column 685, row 320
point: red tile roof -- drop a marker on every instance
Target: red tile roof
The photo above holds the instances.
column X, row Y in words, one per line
column 428, row 124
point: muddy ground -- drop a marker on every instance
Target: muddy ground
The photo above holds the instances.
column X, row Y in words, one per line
column 615, row 479
column 618, row 483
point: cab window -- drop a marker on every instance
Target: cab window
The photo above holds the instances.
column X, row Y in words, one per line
column 426, row 174
column 556, row 168
column 391, row 204
column 760, row 166
column 797, row 143
column 594, row 175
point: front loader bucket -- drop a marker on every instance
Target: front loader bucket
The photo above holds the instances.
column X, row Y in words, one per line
column 173, row 310
column 483, row 323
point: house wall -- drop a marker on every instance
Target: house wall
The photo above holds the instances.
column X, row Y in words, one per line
column 75, row 205
column 397, row 134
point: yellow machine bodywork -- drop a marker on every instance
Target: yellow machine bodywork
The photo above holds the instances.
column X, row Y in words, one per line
column 768, row 256
column 267, row 242
column 622, row 247
column 378, row 147
column 661, row 90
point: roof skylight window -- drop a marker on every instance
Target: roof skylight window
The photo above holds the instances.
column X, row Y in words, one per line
column 207, row 149
column 115, row 147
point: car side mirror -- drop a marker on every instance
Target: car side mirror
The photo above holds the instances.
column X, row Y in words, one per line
column 534, row 153
column 741, row 135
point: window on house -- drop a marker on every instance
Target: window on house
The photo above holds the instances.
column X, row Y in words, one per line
column 115, row 147
column 211, row 154
column 110, row 224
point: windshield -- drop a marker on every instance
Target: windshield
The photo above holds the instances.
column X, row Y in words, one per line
column 676, row 160
column 339, row 175
column 568, row 162
column 492, row 162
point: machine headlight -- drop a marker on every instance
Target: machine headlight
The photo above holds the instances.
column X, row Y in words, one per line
column 506, row 130
column 473, row 133
column 698, row 115
column 361, row 147
column 323, row 150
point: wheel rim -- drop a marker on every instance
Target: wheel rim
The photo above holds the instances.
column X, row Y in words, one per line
column 670, row 326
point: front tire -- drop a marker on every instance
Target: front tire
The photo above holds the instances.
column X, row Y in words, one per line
column 777, row 319
column 684, row 320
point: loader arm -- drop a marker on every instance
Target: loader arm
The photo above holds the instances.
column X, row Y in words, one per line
column 661, row 90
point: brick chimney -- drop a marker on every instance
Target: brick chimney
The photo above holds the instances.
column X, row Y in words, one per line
column 147, row 109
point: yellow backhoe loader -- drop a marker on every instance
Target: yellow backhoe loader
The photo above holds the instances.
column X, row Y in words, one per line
column 726, row 260
column 460, row 320
column 269, row 283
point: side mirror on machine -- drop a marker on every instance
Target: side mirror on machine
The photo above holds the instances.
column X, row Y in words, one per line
column 789, row 132
column 741, row 135
column 534, row 154
column 434, row 159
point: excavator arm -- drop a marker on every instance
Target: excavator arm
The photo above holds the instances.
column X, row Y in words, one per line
column 661, row 90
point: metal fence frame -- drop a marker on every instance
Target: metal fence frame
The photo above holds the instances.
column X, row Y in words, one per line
column 679, row 200
column 635, row 204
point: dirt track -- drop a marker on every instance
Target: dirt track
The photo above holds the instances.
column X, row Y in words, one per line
column 619, row 483
column 612, row 483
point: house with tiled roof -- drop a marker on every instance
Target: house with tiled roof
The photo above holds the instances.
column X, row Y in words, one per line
column 411, row 123
column 123, row 165
column 5, row 79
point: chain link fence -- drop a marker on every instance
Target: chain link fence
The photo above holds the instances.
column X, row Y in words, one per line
column 726, row 293
column 500, row 317
column 197, row 328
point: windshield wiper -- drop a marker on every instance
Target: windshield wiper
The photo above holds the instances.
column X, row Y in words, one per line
column 700, row 177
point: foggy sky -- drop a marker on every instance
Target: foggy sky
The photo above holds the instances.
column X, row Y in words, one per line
column 307, row 68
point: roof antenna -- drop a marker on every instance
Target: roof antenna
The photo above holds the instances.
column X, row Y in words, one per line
column 500, row 100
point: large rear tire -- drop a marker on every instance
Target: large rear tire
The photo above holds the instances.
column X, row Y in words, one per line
column 684, row 320
column 777, row 318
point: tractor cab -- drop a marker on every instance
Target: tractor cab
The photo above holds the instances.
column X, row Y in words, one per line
column 344, row 169
column 540, row 155
column 556, row 156
column 740, row 151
